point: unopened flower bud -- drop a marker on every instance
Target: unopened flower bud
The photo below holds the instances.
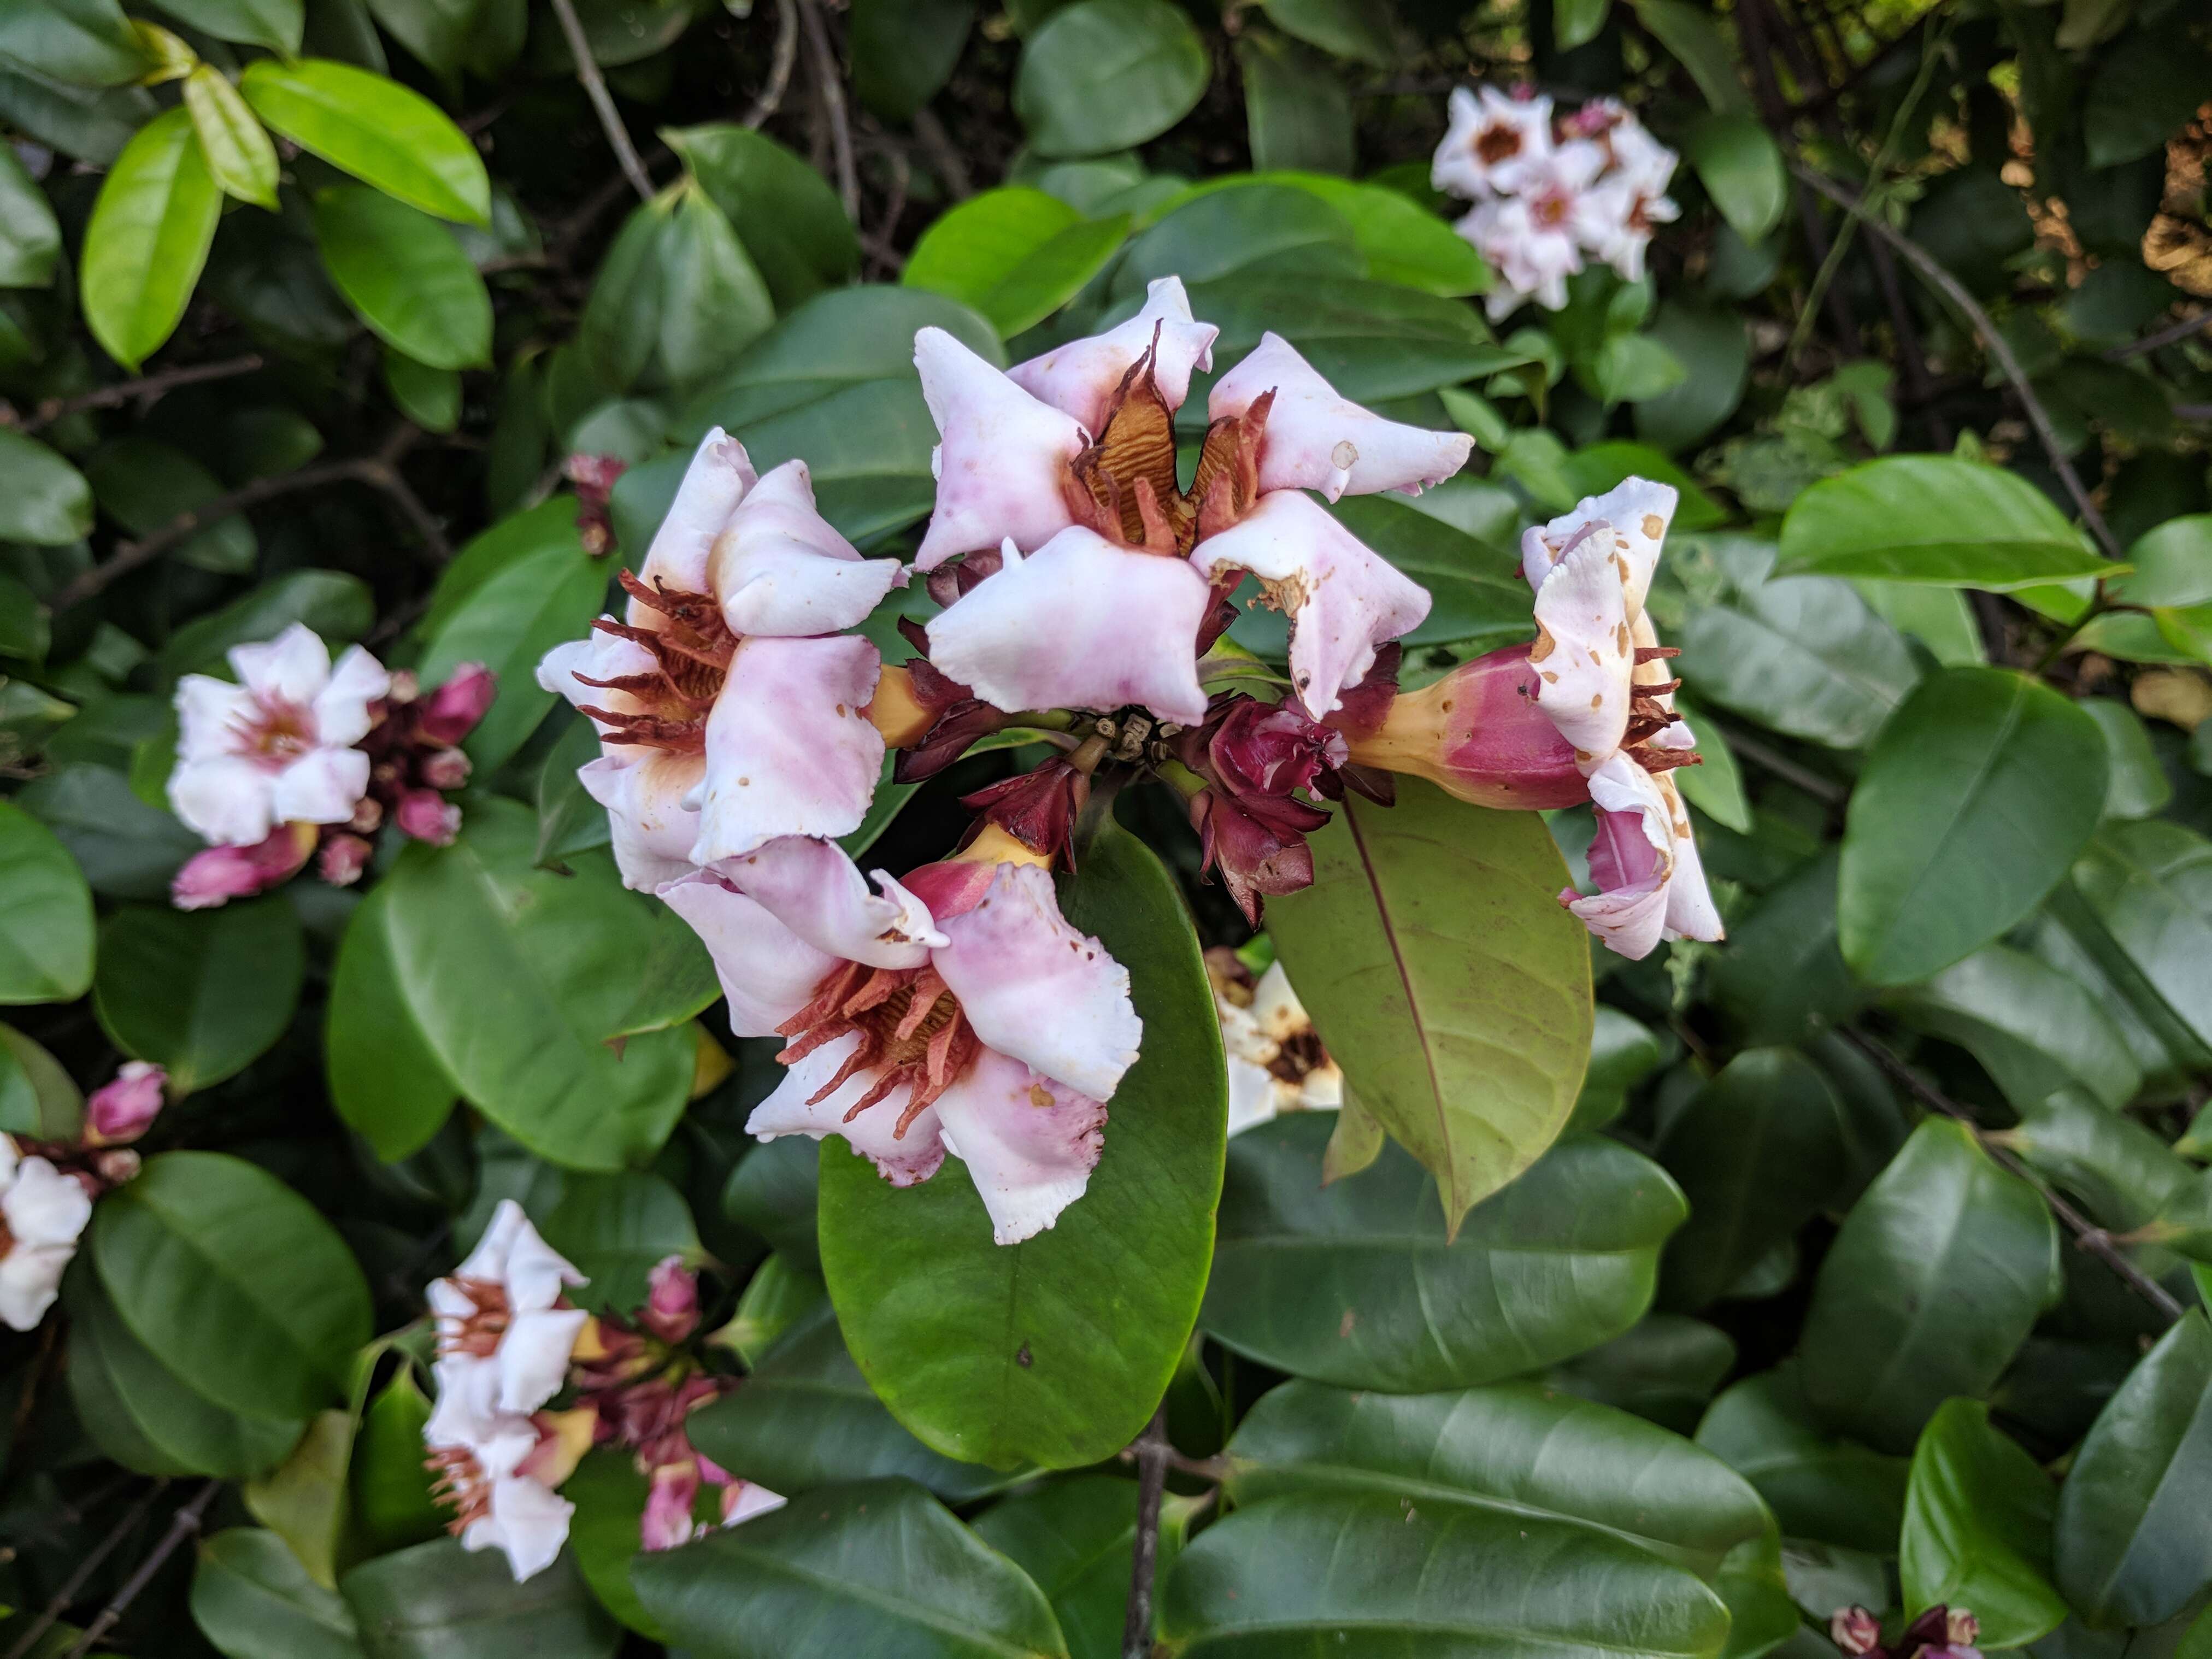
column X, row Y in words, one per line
column 667, row 1522
column 222, row 873
column 427, row 816
column 116, row 1165
column 367, row 817
column 405, row 688
column 671, row 1308
column 451, row 713
column 343, row 859
column 594, row 477
column 444, row 768
column 1960, row 1627
column 1477, row 734
column 119, row 1110
column 1855, row 1630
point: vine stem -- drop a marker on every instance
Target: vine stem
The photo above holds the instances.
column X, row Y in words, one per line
column 1931, row 271
column 182, row 1525
column 603, row 103
column 2087, row 1233
column 1153, row 1454
column 786, row 53
column 84, row 1570
column 147, row 386
column 832, row 95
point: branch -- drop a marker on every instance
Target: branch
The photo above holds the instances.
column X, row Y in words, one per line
column 1152, row 1453
column 183, row 1526
column 2167, row 336
column 779, row 67
column 827, row 87
column 1826, row 790
column 1931, row 271
column 147, row 386
column 2089, row 1235
column 944, row 153
column 83, row 1572
column 595, row 89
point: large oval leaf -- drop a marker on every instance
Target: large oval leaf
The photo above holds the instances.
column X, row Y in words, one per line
column 385, row 1080
column 204, row 992
column 881, row 1567
column 1054, row 1351
column 1375, row 1573
column 2149, row 884
column 1973, row 802
column 520, row 979
column 2131, row 1541
column 1445, row 980
column 1933, row 518
column 786, row 215
column 253, row 1600
column 405, row 276
column 1939, row 1274
column 1105, row 74
column 1356, row 1284
column 1804, row 656
column 45, row 914
column 2034, row 1029
column 1978, row 1528
column 47, row 503
column 438, row 1601
column 232, row 1280
column 148, row 238
column 378, row 130
column 1015, row 254
column 1818, row 1485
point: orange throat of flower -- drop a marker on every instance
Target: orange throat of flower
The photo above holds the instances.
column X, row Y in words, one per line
column 459, row 1483
column 912, row 1034
column 691, row 650
column 476, row 1333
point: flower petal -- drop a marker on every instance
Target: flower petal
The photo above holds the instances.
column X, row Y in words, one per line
column 290, row 668
column 322, row 786
column 1316, row 439
column 1691, row 912
column 225, row 802
column 790, row 750
column 903, row 1160
column 600, row 656
column 1635, row 513
column 716, row 480
column 1080, row 378
column 210, row 714
column 1036, row 988
column 533, row 1357
column 341, row 712
column 813, row 889
column 1584, row 656
column 1251, row 1095
column 1342, row 599
column 768, row 972
column 44, row 1207
column 1002, row 465
column 528, row 1524
column 30, row 1279
column 644, row 791
column 782, row 568
column 1518, row 130
column 1029, row 1144
column 1080, row 624
column 1631, row 858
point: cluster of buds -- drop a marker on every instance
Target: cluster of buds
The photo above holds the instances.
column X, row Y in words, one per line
column 594, row 477
column 47, row 1188
column 1941, row 1632
column 298, row 754
column 510, row 1346
column 1549, row 189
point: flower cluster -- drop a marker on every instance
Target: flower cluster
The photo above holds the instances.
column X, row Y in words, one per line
column 1549, row 190
column 1941, row 1632
column 297, row 754
column 47, row 1188
column 509, row 1345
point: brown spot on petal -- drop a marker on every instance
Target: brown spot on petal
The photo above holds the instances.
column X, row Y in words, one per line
column 1040, row 1097
column 1544, row 645
column 1654, row 526
column 1549, row 678
column 1620, row 643
column 1598, row 701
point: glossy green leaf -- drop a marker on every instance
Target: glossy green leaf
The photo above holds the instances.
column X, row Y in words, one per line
column 1471, row 586
column 1074, row 1539
column 393, row 1504
column 1298, row 111
column 778, row 1299
column 45, row 914
column 30, row 241
column 383, row 133
column 1056, row 1350
column 806, row 1418
column 204, row 992
column 2122, row 1172
column 385, row 1080
column 1105, row 74
column 2034, row 1029
column 438, row 1601
column 1354, row 1284
column 904, row 51
column 1373, row 340
column 305, row 1499
column 38, row 1098
column 1939, row 618
column 1978, row 1528
column 2143, row 91
column 147, row 239
column 773, row 1193
column 252, row 1599
column 518, row 978
column 2137, row 786
column 1445, row 980
column 2172, row 564
column 1715, row 786
column 606, row 1533
column 240, row 156
column 1693, row 35
column 1802, row 655
column 1015, row 254
column 1358, row 29
column 508, row 623
column 274, row 24
column 880, row 1567
column 2149, row 885
column 46, row 501
column 677, row 299
column 1400, row 243
column 1665, row 1369
column 339, row 607
column 1742, row 169
column 405, row 277
column 1757, row 1152
column 1819, row 1484
column 126, row 848
column 1578, row 22
column 1715, row 347
column 1317, row 1572
column 144, row 484
column 785, row 214
column 1933, row 518
column 431, row 398
column 1973, row 802
column 232, row 1280
column 1623, row 1052
column 617, row 1229
column 2131, row 1544
column 84, row 43
column 1940, row 1271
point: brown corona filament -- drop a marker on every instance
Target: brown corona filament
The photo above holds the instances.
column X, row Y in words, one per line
column 910, row 1025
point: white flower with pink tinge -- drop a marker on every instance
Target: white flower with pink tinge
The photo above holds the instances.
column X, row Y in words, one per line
column 1491, row 139
column 277, row 747
column 1530, row 236
column 45, row 1212
column 497, row 1470
column 1064, row 469
column 500, row 1315
column 955, row 1011
column 729, row 711
column 1601, row 678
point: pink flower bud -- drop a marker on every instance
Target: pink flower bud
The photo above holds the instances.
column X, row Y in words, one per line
column 367, row 817
column 594, row 477
column 428, row 816
column 1477, row 734
column 119, row 1110
column 1855, row 1630
column 222, row 873
column 451, row 713
column 405, row 688
column 114, row 1166
column 444, row 768
column 666, row 1523
column 1960, row 1628
column 672, row 1309
column 343, row 859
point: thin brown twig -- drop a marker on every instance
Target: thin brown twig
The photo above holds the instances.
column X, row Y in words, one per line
column 828, row 88
column 183, row 1525
column 1931, row 270
column 784, row 55
column 1152, row 1453
column 944, row 153
column 2087, row 1233
column 2171, row 334
column 1826, row 790
column 603, row 103
column 147, row 386
column 82, row 1574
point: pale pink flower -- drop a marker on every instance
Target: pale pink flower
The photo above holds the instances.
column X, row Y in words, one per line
column 1080, row 378
column 42, row 1214
column 502, row 1317
column 497, row 1470
column 1490, row 142
column 1529, row 237
column 1643, row 859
